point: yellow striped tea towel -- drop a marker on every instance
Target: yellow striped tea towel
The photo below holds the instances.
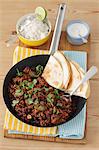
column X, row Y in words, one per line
column 12, row 123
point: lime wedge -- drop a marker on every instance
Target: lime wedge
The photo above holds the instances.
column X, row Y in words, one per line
column 41, row 12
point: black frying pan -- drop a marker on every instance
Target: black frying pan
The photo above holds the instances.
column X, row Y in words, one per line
column 33, row 61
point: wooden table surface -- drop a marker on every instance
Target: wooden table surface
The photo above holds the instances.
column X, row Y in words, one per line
column 88, row 10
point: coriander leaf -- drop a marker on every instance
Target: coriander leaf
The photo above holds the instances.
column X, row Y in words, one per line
column 57, row 112
column 14, row 102
column 30, row 101
column 18, row 72
column 34, row 81
column 50, row 95
column 36, row 102
column 25, row 82
column 30, row 95
column 32, row 84
column 36, row 90
column 56, row 92
column 59, row 105
column 46, row 89
column 41, row 108
column 50, row 98
column 54, row 110
column 22, row 84
column 18, row 93
column 38, row 71
column 39, row 68
column 25, row 95
column 57, row 96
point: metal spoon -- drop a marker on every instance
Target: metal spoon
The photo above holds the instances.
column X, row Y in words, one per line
column 83, row 39
column 88, row 75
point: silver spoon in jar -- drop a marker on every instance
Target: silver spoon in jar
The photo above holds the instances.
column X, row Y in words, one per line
column 83, row 39
column 88, row 75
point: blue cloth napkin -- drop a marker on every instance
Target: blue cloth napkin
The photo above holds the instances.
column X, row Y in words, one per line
column 75, row 128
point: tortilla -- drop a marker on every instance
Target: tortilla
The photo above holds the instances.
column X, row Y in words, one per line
column 85, row 90
column 53, row 73
column 75, row 77
column 65, row 66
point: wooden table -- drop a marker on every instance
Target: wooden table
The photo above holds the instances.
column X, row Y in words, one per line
column 88, row 10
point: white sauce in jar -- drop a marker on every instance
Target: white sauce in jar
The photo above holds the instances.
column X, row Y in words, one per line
column 77, row 28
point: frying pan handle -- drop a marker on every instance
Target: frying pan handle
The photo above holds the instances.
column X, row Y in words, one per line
column 58, row 28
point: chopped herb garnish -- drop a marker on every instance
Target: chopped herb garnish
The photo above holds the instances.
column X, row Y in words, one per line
column 14, row 102
column 39, row 69
column 36, row 90
column 54, row 110
column 41, row 108
column 18, row 92
column 37, row 72
column 50, row 98
column 59, row 105
column 25, row 82
column 46, row 89
column 31, row 85
column 22, row 84
column 57, row 112
column 27, row 88
column 50, row 95
column 25, row 95
column 34, row 81
column 30, row 95
column 18, row 72
column 36, row 101
column 30, row 101
column 56, row 94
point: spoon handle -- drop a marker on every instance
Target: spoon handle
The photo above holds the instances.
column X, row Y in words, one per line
column 89, row 74
column 84, row 40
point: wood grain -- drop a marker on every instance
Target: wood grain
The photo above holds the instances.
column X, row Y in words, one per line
column 44, row 138
column 88, row 10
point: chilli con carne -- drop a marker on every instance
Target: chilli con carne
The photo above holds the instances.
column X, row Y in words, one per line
column 35, row 101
